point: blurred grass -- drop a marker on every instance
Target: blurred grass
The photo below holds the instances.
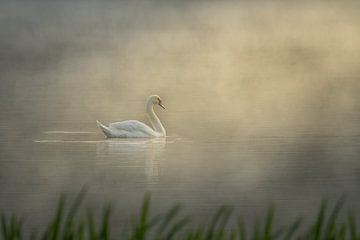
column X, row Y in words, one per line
column 70, row 224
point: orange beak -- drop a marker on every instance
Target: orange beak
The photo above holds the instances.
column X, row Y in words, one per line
column 160, row 104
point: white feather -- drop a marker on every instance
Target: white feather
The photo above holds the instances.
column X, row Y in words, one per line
column 134, row 128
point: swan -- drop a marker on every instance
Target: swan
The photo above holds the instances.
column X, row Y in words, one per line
column 137, row 129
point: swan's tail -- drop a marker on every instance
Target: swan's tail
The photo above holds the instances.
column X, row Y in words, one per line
column 104, row 128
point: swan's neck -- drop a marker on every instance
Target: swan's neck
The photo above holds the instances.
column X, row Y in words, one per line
column 154, row 120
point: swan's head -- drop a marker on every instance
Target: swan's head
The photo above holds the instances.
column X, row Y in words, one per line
column 155, row 99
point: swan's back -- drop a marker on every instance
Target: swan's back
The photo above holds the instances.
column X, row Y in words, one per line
column 128, row 129
column 130, row 125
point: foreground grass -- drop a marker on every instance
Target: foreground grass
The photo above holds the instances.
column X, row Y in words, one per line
column 172, row 225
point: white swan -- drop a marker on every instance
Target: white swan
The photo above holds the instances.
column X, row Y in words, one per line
column 134, row 128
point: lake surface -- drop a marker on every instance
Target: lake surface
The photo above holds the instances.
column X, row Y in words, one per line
column 262, row 105
column 249, row 173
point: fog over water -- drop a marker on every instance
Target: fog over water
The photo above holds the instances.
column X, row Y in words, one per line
column 262, row 102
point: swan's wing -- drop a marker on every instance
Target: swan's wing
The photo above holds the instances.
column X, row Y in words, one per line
column 131, row 126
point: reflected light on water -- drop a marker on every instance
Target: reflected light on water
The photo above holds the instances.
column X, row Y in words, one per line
column 149, row 151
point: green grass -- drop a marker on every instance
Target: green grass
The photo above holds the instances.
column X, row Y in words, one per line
column 74, row 222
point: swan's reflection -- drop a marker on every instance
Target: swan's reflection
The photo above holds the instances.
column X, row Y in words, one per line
column 135, row 153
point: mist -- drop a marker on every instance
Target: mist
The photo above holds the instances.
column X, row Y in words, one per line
column 262, row 103
column 233, row 68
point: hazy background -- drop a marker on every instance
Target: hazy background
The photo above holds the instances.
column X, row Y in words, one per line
column 221, row 68
column 263, row 95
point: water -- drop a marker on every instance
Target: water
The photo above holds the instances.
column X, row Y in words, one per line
column 262, row 105
column 249, row 172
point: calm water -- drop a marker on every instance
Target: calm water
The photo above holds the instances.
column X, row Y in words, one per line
column 248, row 172
column 262, row 104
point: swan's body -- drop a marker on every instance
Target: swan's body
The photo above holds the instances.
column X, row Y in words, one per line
column 137, row 129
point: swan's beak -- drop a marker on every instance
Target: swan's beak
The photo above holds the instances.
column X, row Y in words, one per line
column 160, row 104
